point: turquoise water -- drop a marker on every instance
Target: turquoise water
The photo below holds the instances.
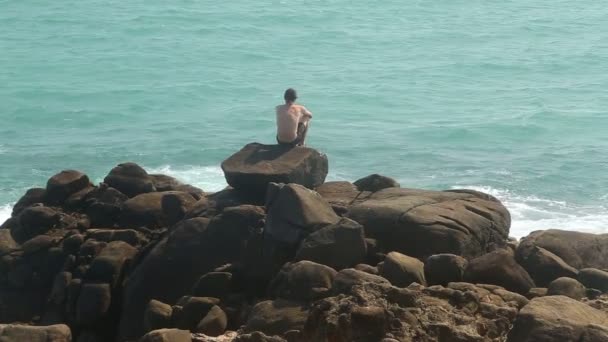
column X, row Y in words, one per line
column 503, row 96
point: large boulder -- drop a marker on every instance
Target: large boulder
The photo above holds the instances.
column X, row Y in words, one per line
column 594, row 278
column 302, row 280
column 157, row 315
column 294, row 212
column 375, row 182
column 62, row 185
column 109, row 265
column 402, row 270
column 421, row 223
column 104, row 205
column 31, row 196
column 130, row 179
column 499, row 268
column 276, row 317
column 568, row 287
column 255, row 166
column 339, row 245
column 577, row 249
column 34, row 221
column 441, row 269
column 22, row 333
column 341, row 195
column 542, row 265
column 559, row 318
column 147, row 209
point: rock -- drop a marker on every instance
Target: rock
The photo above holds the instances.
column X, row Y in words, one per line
column 441, row 269
column 146, row 209
column 375, row 183
column 276, row 317
column 214, row 323
column 542, row 265
column 62, row 185
column 577, row 249
column 130, row 236
column 255, row 336
column 294, row 212
column 255, row 166
column 59, row 291
column 157, row 315
column 367, row 268
column 168, row 183
column 175, row 205
column 341, row 245
column 557, row 318
column 31, row 196
column 499, row 268
column 213, row 284
column 402, row 270
column 93, row 303
column 194, row 309
column 594, row 278
column 130, row 179
column 302, row 280
column 22, row 333
column 371, row 321
column 7, row 243
column 89, row 336
column 77, row 200
column 568, row 287
column 109, row 265
column 91, row 248
column 341, row 195
column 346, row 279
column 536, row 292
column 35, row 221
column 421, row 223
column 37, row 244
column 104, row 206
column 167, row 335
column 72, row 243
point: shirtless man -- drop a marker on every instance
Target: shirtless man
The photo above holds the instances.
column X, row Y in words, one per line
column 292, row 120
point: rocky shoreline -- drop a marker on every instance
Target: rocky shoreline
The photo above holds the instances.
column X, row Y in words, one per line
column 282, row 255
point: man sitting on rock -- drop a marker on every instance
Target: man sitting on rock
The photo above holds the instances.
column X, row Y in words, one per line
column 292, row 120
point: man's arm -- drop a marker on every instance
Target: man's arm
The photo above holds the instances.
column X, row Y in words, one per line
column 306, row 114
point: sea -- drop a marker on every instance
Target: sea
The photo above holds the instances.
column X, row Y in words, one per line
column 504, row 96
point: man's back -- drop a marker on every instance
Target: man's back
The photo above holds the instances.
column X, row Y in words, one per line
column 288, row 117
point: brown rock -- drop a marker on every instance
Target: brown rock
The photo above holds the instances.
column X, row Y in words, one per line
column 568, row 287
column 214, row 323
column 93, row 303
column 542, row 265
column 22, row 333
column 441, row 269
column 130, row 179
column 375, row 182
column 213, row 284
column 157, row 315
column 62, row 185
column 109, row 265
column 167, row 335
column 594, row 278
column 302, row 280
column 499, row 268
column 276, row 317
column 146, row 209
column 35, row 221
column 346, row 279
column 402, row 270
column 31, row 196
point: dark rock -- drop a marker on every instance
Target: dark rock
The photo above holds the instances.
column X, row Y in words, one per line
column 167, row 335
column 199, row 209
column 346, row 279
column 577, row 249
column 175, row 205
column 339, row 246
column 157, row 315
column 35, row 221
column 109, row 265
column 370, row 322
column 276, row 317
column 421, row 223
column 37, row 244
column 71, row 244
column 255, row 166
column 78, row 199
column 144, row 210
column 594, row 278
column 214, row 323
column 130, row 236
column 341, row 195
column 568, row 287
column 375, row 183
column 59, row 291
column 294, row 212
column 213, row 284
column 542, row 265
column 302, row 280
column 499, row 268
column 62, row 185
column 194, row 309
column 7, row 243
column 104, row 206
column 91, row 248
column 257, row 336
column 536, row 292
column 93, row 303
column 22, row 333
column 32, row 196
column 441, row 269
column 130, row 179
column 89, row 336
column 168, row 183
column 557, row 318
column 402, row 270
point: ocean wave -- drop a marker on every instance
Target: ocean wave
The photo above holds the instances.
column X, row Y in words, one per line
column 530, row 213
column 5, row 212
column 208, row 178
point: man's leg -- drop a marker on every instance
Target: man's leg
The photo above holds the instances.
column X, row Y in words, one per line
column 302, row 130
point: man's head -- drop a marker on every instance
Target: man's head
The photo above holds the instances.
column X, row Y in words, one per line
column 290, row 95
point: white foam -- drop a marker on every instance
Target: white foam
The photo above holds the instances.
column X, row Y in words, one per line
column 5, row 212
column 530, row 213
column 208, row 178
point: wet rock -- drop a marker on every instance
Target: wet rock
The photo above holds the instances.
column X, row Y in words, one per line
column 302, row 280
column 130, row 179
column 568, row 287
column 93, row 303
column 167, row 335
column 31, row 196
column 157, row 315
column 402, row 270
column 21, row 333
column 294, row 212
column 375, row 182
column 441, row 269
column 558, row 318
column 499, row 268
column 255, row 166
column 594, row 278
column 341, row 245
column 214, row 323
column 276, row 317
column 35, row 221
column 542, row 265
column 421, row 223
column 62, row 185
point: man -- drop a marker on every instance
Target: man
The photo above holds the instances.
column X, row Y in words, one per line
column 292, row 120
